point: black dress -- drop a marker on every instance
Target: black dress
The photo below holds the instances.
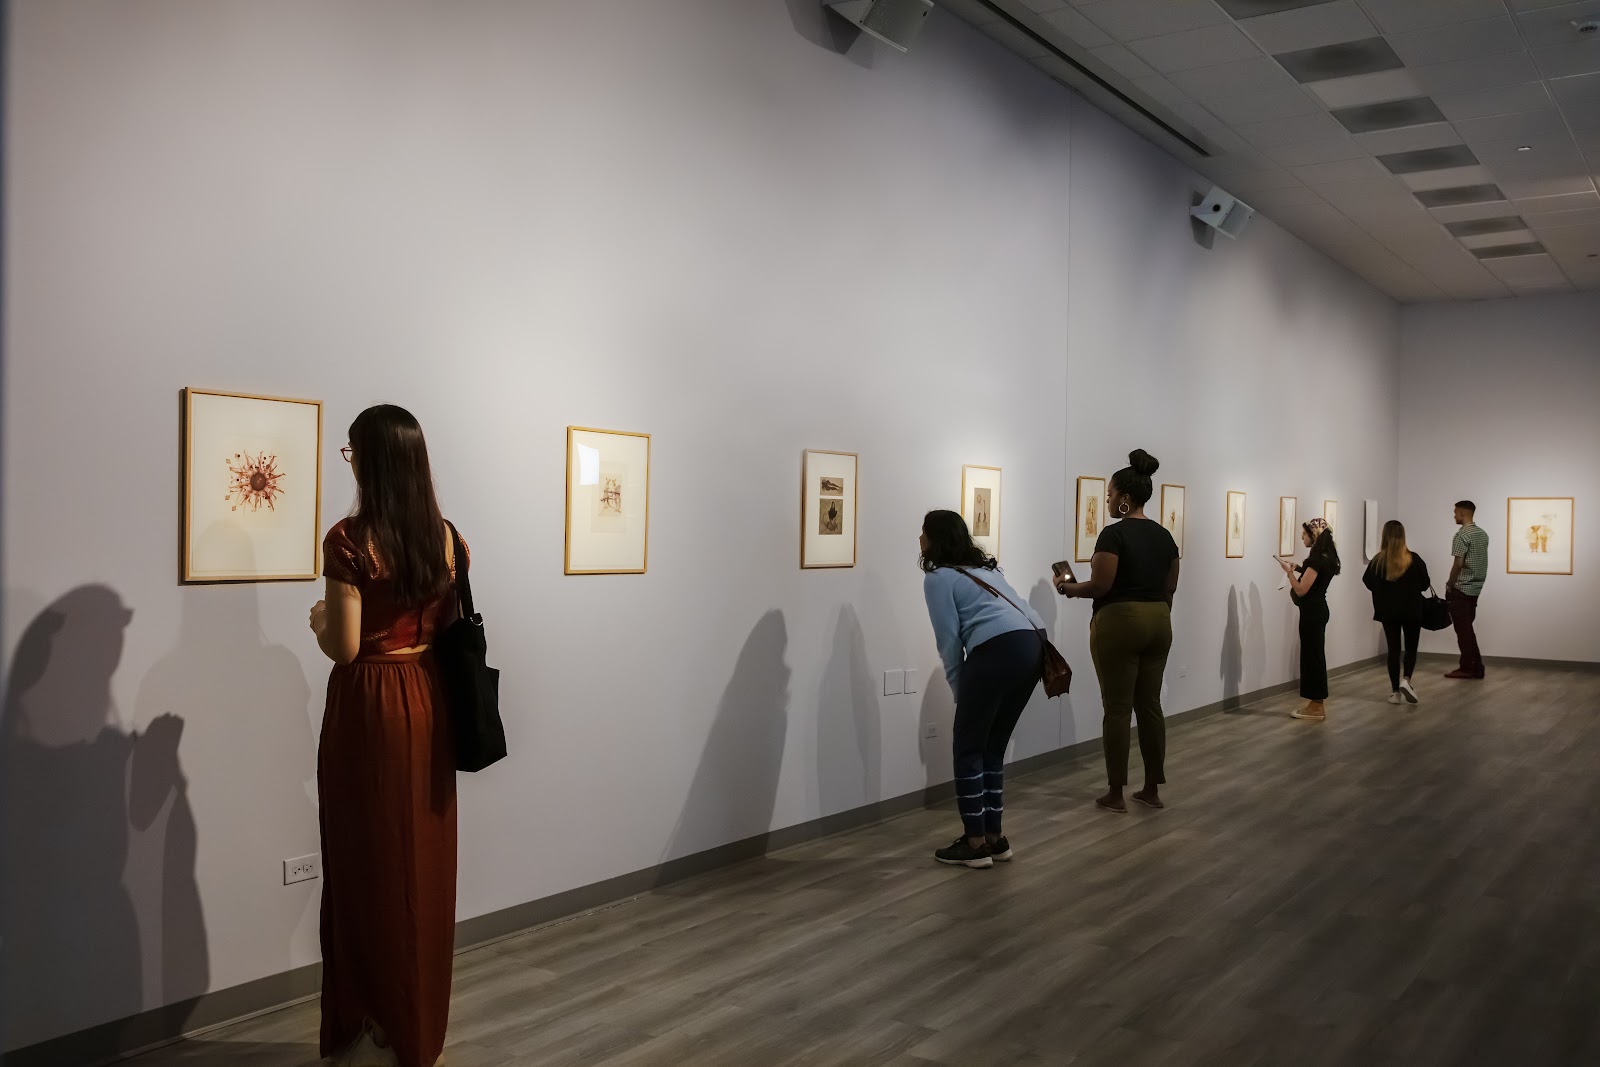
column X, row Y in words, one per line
column 1313, row 606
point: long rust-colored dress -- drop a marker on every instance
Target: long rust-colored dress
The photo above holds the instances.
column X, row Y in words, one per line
column 387, row 781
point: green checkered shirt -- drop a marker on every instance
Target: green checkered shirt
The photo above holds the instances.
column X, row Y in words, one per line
column 1471, row 546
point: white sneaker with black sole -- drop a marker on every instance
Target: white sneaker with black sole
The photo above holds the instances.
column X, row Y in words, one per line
column 1409, row 693
column 1394, row 697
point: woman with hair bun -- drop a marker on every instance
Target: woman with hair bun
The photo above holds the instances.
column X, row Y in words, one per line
column 1308, row 588
column 1132, row 579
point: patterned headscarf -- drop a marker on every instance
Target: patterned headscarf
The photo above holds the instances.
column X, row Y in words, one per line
column 1314, row 527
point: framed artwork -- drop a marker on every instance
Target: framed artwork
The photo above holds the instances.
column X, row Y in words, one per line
column 1091, row 517
column 252, row 488
column 608, row 501
column 980, row 505
column 1539, row 534
column 1373, row 539
column 1288, row 526
column 1330, row 515
column 1172, row 513
column 828, row 497
column 1233, row 536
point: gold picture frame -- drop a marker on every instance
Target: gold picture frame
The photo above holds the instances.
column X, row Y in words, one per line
column 251, row 484
column 1174, row 512
column 833, row 481
column 981, row 503
column 617, row 537
column 1089, row 517
column 1234, row 525
column 1525, row 546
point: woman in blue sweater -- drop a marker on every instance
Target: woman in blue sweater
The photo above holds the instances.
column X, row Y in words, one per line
column 992, row 645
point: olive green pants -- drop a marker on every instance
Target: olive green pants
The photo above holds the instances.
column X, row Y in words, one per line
column 1129, row 643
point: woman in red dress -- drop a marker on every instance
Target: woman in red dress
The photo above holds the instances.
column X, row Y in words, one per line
column 385, row 764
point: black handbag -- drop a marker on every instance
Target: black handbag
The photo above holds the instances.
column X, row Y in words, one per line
column 1435, row 612
column 471, row 686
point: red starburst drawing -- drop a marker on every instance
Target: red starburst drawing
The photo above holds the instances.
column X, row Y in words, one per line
column 257, row 481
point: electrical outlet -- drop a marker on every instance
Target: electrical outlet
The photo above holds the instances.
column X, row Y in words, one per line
column 302, row 869
column 930, row 731
column 912, row 680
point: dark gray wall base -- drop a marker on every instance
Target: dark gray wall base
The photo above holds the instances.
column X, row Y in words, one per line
column 1585, row 665
column 113, row 1041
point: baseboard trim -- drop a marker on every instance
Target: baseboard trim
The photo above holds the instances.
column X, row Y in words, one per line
column 140, row 1033
column 1583, row 665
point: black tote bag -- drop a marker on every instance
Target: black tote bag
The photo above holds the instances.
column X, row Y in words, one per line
column 471, row 686
column 1435, row 612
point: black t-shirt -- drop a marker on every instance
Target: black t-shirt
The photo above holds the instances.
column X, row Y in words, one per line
column 1326, row 568
column 1144, row 551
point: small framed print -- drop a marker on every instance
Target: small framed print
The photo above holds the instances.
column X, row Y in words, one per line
column 980, row 505
column 252, row 488
column 1233, row 540
column 608, row 502
column 1172, row 500
column 1330, row 515
column 1539, row 534
column 828, row 497
column 1374, row 537
column 1288, row 526
column 1091, row 517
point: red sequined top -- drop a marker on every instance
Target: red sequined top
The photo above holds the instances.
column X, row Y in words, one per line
column 386, row 625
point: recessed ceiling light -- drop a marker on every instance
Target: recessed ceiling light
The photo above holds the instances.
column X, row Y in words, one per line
column 1525, row 148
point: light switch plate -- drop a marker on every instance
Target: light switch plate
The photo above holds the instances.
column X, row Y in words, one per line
column 912, row 681
column 894, row 683
column 930, row 731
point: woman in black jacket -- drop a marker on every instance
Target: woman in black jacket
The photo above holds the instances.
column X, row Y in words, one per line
column 1398, row 577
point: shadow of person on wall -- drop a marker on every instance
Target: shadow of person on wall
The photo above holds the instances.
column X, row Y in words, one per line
column 246, row 701
column 76, row 785
column 1043, row 725
column 849, row 726
column 1231, row 668
column 735, row 789
column 1255, row 642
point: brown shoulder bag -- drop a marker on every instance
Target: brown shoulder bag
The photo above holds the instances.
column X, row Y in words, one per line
column 1057, row 672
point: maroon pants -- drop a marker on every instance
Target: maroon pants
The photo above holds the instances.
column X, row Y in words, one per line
column 1463, row 612
column 387, row 777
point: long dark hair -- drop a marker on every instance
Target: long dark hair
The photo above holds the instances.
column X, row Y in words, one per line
column 950, row 544
column 396, row 510
column 1133, row 481
column 1324, row 556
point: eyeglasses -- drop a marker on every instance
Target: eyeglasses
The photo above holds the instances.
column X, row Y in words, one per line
column 346, row 452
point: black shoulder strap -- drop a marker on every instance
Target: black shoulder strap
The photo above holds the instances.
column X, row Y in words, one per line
column 463, row 582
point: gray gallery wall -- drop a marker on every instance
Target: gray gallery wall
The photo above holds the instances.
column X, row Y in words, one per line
column 1473, row 430
column 698, row 219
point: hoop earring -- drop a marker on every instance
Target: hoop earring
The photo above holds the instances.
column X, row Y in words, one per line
column 1123, row 510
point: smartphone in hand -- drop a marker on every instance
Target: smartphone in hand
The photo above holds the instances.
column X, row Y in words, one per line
column 1063, row 570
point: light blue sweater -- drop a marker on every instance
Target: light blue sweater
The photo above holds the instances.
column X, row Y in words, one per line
column 965, row 615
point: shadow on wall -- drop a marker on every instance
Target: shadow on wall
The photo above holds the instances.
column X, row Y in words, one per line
column 829, row 32
column 246, row 700
column 735, row 788
column 1231, row 669
column 1255, row 642
column 1046, row 725
column 77, row 787
column 849, row 726
column 939, row 712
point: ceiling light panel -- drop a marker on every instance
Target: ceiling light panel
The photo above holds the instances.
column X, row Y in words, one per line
column 1529, row 248
column 1308, row 27
column 1368, row 89
column 1389, row 115
column 1244, row 9
column 1343, row 60
column 1428, row 159
column 1478, row 227
column 1464, row 194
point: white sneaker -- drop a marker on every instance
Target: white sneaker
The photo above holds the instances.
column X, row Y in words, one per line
column 1394, row 697
column 1409, row 693
column 367, row 1053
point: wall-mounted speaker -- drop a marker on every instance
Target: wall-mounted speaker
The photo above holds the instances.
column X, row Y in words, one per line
column 1226, row 214
column 894, row 22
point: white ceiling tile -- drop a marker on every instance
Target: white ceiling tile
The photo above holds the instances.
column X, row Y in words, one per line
column 1409, row 138
column 1506, row 100
column 1042, row 6
column 1344, row 170
column 1270, row 200
column 1573, row 242
column 1250, row 107
column 1494, row 209
column 1551, row 155
column 1310, row 27
column 970, row 11
column 1130, row 20
column 1526, row 270
column 1560, row 219
column 1490, row 240
column 1400, row 16
column 1468, row 75
column 1175, row 100
column 1074, row 25
column 1551, row 25
column 1541, row 205
column 1259, row 75
column 1447, row 179
column 1222, row 140
column 1014, row 39
column 1542, row 188
column 1314, row 152
column 1462, row 40
column 1250, row 183
column 1124, row 62
column 1579, row 99
column 1529, row 124
column 1566, row 61
column 1208, row 46
column 1374, row 88
column 1299, row 129
column 1365, row 193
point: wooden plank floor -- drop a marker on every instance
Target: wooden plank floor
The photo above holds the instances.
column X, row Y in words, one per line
column 1394, row 886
